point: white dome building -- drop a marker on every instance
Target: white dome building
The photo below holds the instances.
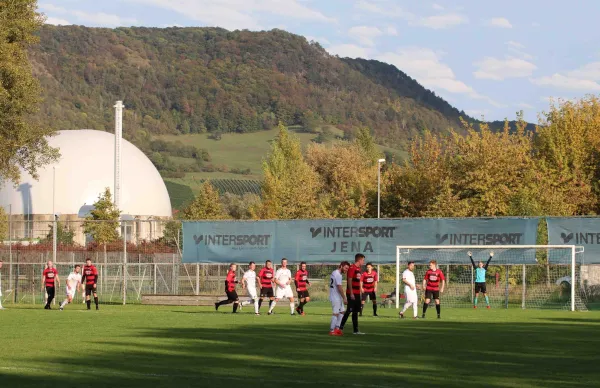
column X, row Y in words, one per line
column 85, row 169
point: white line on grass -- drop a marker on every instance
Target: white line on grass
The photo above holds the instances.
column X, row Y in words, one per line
column 234, row 378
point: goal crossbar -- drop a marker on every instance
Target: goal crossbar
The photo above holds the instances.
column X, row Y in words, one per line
column 572, row 248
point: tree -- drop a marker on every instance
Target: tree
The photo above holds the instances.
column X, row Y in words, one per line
column 290, row 188
column 365, row 141
column 239, row 207
column 205, row 206
column 102, row 222
column 64, row 235
column 3, row 224
column 23, row 143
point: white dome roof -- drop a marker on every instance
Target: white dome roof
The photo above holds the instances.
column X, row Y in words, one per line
column 85, row 169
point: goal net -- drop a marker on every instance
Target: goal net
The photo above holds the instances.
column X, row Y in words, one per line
column 518, row 276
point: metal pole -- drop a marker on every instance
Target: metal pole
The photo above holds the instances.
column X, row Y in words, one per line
column 524, row 285
column 124, row 262
column 10, row 258
column 197, row 278
column 506, row 290
column 154, row 278
column 472, row 290
column 55, row 218
column 378, row 190
column 573, row 278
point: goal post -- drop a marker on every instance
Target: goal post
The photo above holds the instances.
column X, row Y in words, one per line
column 527, row 276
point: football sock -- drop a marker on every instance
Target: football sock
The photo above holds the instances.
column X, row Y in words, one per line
column 256, row 305
column 333, row 324
column 345, row 318
column 292, row 305
column 89, row 303
column 64, row 303
column 476, row 301
column 487, row 300
column 355, row 321
column 259, row 303
column 235, row 307
column 272, row 305
column 96, row 300
column 374, row 309
column 226, row 301
column 406, row 306
column 425, row 305
column 415, row 309
column 339, row 321
column 438, row 308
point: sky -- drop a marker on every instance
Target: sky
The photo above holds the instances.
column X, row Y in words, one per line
column 488, row 58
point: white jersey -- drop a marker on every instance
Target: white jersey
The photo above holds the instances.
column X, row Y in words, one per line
column 409, row 276
column 73, row 280
column 250, row 277
column 335, row 280
column 283, row 275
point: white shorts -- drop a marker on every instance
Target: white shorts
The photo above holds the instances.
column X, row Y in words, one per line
column 337, row 306
column 252, row 293
column 71, row 292
column 284, row 292
column 411, row 296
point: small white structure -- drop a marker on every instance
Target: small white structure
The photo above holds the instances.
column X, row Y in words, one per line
column 85, row 169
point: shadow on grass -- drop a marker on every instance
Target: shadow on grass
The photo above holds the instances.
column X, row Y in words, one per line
column 301, row 354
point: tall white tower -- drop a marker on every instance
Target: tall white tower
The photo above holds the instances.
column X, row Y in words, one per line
column 118, row 135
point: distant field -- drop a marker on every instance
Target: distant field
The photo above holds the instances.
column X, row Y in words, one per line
column 147, row 346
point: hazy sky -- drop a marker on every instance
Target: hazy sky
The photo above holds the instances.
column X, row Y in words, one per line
column 486, row 57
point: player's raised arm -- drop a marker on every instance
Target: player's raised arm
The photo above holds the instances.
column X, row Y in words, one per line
column 488, row 262
column 472, row 261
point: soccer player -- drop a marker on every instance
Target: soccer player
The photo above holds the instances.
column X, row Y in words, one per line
column 51, row 280
column 283, row 278
column 230, row 283
column 410, row 290
column 368, row 288
column 249, row 283
column 431, row 284
column 353, row 292
column 480, row 286
column 73, row 285
column 1, row 308
column 302, row 284
column 265, row 277
column 90, row 276
column 337, row 297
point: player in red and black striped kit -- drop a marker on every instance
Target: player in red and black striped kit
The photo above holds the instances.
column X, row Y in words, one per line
column 302, row 285
column 368, row 284
column 230, row 283
column 353, row 292
column 265, row 277
column 51, row 282
column 431, row 285
column 90, row 279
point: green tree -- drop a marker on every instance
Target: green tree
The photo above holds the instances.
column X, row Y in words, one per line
column 205, row 206
column 64, row 235
column 103, row 221
column 23, row 142
column 365, row 141
column 3, row 224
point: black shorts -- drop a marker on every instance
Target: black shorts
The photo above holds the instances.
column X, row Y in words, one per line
column 303, row 294
column 432, row 294
column 480, row 287
column 371, row 296
column 89, row 289
column 232, row 295
column 266, row 292
column 354, row 305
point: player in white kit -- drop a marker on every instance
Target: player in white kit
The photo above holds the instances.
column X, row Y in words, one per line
column 410, row 290
column 283, row 278
column 73, row 285
column 337, row 297
column 249, row 283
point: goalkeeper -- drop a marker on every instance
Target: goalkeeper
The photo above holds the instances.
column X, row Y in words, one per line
column 480, row 270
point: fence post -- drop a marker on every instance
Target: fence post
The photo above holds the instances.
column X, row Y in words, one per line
column 155, row 278
column 10, row 257
column 197, row 278
column 506, row 289
column 472, row 290
column 124, row 262
column 524, row 285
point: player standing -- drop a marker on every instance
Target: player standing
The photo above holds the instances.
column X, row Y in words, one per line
column 337, row 297
column 265, row 276
column 368, row 288
column 1, row 308
column 73, row 284
column 283, row 278
column 480, row 285
column 90, row 276
column 410, row 290
column 51, row 280
column 431, row 284
column 249, row 283
column 353, row 292
column 302, row 284
column 230, row 283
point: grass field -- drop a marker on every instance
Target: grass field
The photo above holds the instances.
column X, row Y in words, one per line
column 147, row 346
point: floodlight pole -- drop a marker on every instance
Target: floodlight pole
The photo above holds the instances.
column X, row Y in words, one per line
column 379, row 162
column 54, row 216
column 118, row 136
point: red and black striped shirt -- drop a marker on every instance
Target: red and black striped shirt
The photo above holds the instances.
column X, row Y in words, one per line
column 49, row 275
column 433, row 279
column 353, row 280
column 230, row 281
column 266, row 277
column 301, row 280
column 368, row 281
column 90, row 274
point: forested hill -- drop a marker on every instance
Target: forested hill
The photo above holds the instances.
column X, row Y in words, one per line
column 195, row 80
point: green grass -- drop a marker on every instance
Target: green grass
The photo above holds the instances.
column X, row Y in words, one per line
column 146, row 346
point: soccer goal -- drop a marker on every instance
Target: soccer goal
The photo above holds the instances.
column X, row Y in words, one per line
column 518, row 276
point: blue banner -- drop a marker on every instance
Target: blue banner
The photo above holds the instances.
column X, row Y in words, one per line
column 330, row 241
column 583, row 232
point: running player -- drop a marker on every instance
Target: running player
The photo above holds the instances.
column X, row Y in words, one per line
column 353, row 292
column 368, row 288
column 480, row 285
column 337, row 297
column 410, row 290
column 249, row 283
column 51, row 280
column 265, row 277
column 283, row 278
column 1, row 308
column 90, row 277
column 431, row 284
column 230, row 283
column 73, row 284
column 302, row 284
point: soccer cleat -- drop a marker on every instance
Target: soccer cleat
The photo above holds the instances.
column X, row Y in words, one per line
column 423, row 316
column 401, row 315
column 216, row 306
column 488, row 307
column 292, row 314
column 303, row 313
column 415, row 317
column 439, row 316
column 332, row 333
column 60, row 308
column 474, row 307
column 358, row 333
column 256, row 313
column 375, row 315
column 270, row 313
column 298, row 310
column 338, row 332
column 97, row 308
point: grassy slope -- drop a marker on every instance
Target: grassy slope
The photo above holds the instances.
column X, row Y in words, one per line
column 142, row 346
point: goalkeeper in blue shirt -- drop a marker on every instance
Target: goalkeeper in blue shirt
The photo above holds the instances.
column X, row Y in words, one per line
column 480, row 270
